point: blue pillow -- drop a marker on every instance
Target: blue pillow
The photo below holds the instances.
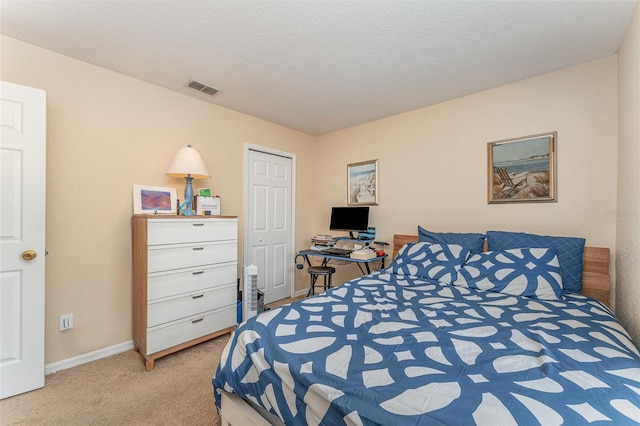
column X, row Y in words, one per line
column 433, row 261
column 529, row 272
column 471, row 240
column 569, row 249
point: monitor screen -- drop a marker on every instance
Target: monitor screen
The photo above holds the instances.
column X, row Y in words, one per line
column 349, row 219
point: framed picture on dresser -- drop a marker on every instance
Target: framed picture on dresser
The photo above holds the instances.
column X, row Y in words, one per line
column 154, row 200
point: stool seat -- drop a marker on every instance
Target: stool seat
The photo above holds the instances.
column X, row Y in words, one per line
column 317, row 271
column 321, row 270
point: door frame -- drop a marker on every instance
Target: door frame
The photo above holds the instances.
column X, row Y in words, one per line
column 245, row 253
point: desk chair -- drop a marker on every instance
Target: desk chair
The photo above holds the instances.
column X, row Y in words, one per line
column 317, row 271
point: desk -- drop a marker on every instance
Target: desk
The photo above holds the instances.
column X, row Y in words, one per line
column 327, row 257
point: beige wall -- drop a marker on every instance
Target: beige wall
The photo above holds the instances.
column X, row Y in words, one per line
column 106, row 132
column 628, row 211
column 433, row 161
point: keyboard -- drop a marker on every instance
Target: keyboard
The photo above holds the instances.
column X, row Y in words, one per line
column 337, row 251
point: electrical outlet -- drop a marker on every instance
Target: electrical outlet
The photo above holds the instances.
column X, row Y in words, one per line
column 66, row 322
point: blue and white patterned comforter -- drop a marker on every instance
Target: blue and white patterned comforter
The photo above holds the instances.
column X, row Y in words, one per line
column 394, row 350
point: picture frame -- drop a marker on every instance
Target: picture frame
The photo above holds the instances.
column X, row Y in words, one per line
column 362, row 183
column 157, row 200
column 523, row 170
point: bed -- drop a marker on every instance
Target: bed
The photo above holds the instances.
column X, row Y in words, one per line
column 439, row 344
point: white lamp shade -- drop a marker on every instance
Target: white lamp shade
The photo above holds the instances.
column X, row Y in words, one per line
column 188, row 162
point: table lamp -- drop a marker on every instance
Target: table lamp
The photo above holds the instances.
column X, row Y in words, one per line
column 188, row 164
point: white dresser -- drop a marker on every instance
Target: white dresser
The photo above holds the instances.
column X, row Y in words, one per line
column 184, row 281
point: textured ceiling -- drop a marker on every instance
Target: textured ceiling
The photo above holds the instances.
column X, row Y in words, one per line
column 323, row 65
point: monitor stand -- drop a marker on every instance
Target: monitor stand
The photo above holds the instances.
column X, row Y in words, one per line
column 353, row 237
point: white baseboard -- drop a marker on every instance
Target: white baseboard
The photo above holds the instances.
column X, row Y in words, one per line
column 88, row 357
column 301, row 292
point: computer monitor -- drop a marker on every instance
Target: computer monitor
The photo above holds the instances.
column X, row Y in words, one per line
column 352, row 219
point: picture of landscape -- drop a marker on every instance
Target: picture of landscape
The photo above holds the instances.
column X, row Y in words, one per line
column 522, row 169
column 362, row 182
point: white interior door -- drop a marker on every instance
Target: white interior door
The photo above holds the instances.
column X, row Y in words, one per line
column 22, row 230
column 269, row 222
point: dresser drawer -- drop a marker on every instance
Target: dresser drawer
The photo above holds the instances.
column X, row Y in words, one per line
column 167, row 310
column 174, row 333
column 181, row 256
column 167, row 284
column 175, row 231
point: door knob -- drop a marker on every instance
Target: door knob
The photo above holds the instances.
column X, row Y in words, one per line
column 29, row 254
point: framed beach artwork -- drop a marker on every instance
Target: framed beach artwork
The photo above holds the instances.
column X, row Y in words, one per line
column 523, row 169
column 362, row 183
column 154, row 200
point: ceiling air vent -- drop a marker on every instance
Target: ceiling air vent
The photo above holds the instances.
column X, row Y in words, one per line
column 200, row 87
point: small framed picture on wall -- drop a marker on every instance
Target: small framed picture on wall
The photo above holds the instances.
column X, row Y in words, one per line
column 362, row 183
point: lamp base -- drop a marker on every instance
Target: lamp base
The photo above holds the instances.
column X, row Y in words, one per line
column 185, row 209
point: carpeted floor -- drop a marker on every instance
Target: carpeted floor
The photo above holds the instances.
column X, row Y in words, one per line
column 118, row 391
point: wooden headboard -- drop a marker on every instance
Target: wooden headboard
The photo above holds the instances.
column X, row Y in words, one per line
column 596, row 282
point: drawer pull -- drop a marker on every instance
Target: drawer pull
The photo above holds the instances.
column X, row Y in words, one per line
column 197, row 273
column 198, row 296
column 197, row 248
column 197, row 224
column 197, row 320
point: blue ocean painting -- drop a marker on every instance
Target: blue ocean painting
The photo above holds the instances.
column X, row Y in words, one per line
column 364, row 169
column 362, row 184
column 531, row 155
column 526, row 166
column 521, row 169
